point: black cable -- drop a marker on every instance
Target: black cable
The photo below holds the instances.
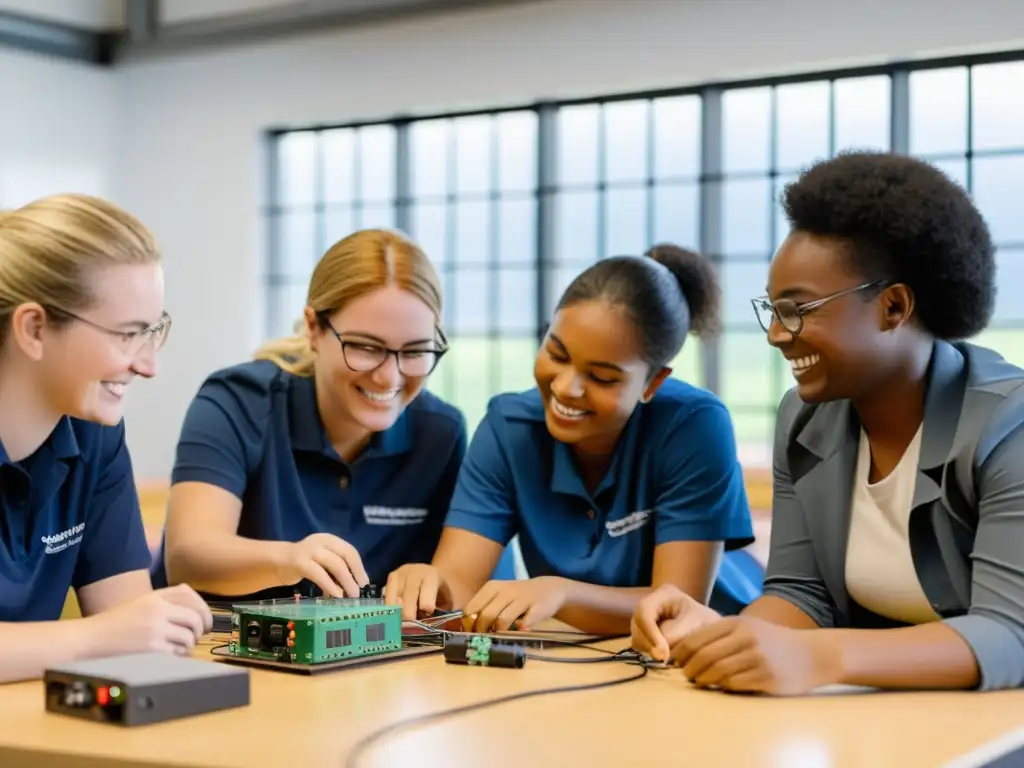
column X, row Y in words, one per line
column 627, row 656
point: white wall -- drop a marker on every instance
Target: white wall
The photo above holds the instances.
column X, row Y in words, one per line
column 191, row 162
column 91, row 14
column 59, row 130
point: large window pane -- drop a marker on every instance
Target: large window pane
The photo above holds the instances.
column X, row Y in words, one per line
column 577, row 145
column 430, row 230
column 576, row 227
column 287, row 303
column 338, row 152
column 998, row 190
column 625, row 142
column 676, row 211
column 754, row 430
column 377, row 163
column 473, row 154
column 473, row 232
column 938, row 111
column 296, row 244
column 687, row 365
column 517, row 151
column 339, row 222
column 741, row 282
column 517, row 301
column 677, row 137
column 998, row 106
column 296, row 168
column 747, row 206
column 515, row 364
column 625, row 222
column 862, row 107
column 517, row 231
column 803, row 124
column 1009, row 279
column 781, row 222
column 470, row 377
column 747, row 370
column 377, row 216
column 557, row 281
column 470, row 302
column 747, row 121
column 428, row 146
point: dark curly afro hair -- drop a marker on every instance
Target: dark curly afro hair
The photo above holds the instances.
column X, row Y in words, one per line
column 905, row 221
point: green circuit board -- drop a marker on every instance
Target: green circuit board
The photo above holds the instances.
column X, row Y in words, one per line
column 314, row 630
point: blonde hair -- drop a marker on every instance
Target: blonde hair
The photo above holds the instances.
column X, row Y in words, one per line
column 360, row 263
column 49, row 247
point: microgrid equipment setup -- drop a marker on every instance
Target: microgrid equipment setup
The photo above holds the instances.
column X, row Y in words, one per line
column 314, row 630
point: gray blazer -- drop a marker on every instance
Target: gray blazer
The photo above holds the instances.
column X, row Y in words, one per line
column 967, row 524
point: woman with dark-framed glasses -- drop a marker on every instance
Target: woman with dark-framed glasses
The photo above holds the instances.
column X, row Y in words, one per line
column 81, row 316
column 897, row 549
column 323, row 464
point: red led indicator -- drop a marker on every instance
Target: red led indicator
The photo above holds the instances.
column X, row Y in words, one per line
column 103, row 696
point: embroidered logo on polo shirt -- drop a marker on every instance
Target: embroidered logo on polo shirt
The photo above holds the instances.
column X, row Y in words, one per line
column 58, row 542
column 629, row 523
column 394, row 515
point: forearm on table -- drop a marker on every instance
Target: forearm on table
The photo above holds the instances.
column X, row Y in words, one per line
column 778, row 610
column 599, row 609
column 927, row 656
column 30, row 648
column 226, row 564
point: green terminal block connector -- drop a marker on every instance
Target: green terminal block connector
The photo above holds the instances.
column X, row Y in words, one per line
column 314, row 630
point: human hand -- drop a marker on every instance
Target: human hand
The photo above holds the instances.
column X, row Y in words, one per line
column 500, row 604
column 331, row 563
column 419, row 588
column 663, row 618
column 754, row 656
column 170, row 620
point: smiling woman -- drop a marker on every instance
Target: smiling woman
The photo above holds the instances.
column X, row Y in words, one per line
column 323, row 464
column 81, row 316
column 615, row 476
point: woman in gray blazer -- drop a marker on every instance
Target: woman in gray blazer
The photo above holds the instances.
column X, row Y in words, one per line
column 898, row 520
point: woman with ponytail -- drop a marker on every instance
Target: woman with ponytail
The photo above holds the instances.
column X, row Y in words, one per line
column 322, row 464
column 616, row 478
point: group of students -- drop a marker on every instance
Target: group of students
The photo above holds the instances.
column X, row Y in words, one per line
column 322, row 465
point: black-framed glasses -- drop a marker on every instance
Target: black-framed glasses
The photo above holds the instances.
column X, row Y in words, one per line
column 365, row 356
column 132, row 342
column 790, row 314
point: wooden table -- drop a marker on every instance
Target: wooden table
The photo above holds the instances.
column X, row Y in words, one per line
column 295, row 720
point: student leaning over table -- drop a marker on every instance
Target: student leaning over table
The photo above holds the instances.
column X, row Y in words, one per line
column 614, row 476
column 898, row 525
column 322, row 460
column 81, row 315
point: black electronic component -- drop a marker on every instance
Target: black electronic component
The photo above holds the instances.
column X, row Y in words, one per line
column 482, row 651
column 141, row 688
column 370, row 591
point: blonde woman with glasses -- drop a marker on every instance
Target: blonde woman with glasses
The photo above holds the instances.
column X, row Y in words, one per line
column 81, row 316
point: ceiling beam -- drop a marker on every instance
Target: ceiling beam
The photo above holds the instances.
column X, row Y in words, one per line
column 42, row 36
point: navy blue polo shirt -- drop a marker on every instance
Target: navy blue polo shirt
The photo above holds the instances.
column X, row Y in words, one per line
column 674, row 476
column 69, row 516
column 255, row 431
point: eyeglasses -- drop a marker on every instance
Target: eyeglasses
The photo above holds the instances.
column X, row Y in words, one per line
column 790, row 314
column 132, row 342
column 363, row 357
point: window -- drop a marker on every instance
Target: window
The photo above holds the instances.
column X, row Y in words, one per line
column 473, row 183
column 327, row 184
column 627, row 176
column 374, row 633
column 511, row 205
column 969, row 121
column 769, row 135
column 339, row 638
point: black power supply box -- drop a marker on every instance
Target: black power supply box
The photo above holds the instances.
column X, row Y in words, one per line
column 143, row 688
